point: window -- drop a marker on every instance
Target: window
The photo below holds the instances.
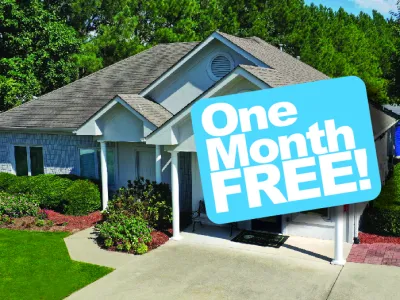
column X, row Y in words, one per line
column 28, row 160
column 90, row 166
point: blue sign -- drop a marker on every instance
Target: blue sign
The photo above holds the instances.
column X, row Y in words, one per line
column 285, row 150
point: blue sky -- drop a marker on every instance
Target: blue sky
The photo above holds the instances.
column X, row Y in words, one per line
column 355, row 6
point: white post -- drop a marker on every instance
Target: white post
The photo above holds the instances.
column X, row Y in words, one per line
column 338, row 259
column 158, row 164
column 104, row 173
column 175, row 196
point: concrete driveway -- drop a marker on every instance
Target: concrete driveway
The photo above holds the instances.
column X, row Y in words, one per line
column 190, row 270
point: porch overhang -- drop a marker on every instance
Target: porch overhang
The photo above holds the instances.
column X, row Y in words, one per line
column 117, row 121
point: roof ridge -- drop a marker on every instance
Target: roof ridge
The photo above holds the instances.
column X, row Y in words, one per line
column 151, row 100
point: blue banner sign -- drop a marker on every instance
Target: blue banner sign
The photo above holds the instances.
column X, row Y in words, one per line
column 285, row 150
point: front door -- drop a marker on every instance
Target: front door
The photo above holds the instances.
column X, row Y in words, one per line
column 270, row 224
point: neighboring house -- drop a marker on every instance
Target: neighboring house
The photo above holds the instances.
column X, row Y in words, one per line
column 133, row 119
column 395, row 109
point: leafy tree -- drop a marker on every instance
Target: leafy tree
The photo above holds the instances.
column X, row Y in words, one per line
column 36, row 52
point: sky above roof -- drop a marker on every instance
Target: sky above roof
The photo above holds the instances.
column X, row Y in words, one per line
column 356, row 6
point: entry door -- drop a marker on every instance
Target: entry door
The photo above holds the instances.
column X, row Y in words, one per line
column 270, row 224
column 185, row 181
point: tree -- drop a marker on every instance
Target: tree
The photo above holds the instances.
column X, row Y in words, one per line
column 36, row 52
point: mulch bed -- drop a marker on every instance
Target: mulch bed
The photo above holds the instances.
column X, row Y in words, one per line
column 368, row 238
column 60, row 222
column 74, row 223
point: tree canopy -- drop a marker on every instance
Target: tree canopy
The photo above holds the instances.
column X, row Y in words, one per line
column 46, row 44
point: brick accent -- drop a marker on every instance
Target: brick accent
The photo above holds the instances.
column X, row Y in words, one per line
column 377, row 254
column 60, row 151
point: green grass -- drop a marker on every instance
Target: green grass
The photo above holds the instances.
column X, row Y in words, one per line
column 36, row 265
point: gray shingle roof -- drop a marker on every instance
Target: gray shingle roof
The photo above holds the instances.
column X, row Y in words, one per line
column 272, row 77
column 70, row 106
column 290, row 67
column 153, row 112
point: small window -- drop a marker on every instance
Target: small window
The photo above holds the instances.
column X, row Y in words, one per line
column 220, row 65
column 90, row 165
column 28, row 160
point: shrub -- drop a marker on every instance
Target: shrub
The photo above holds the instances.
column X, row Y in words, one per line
column 125, row 233
column 381, row 221
column 22, row 185
column 6, row 180
column 16, row 206
column 49, row 190
column 81, row 198
column 144, row 199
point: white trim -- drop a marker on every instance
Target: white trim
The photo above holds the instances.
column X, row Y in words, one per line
column 207, row 41
column 175, row 197
column 104, row 174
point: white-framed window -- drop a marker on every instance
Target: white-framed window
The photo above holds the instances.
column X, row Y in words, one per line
column 220, row 64
column 90, row 166
column 28, row 160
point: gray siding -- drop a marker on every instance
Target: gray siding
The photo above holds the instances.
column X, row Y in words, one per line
column 60, row 152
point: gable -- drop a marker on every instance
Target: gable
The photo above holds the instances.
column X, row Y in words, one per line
column 196, row 76
column 178, row 131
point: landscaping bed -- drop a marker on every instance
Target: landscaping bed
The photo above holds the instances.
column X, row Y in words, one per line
column 53, row 221
column 368, row 238
column 138, row 219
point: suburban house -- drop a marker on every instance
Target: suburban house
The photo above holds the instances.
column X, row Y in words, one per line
column 132, row 119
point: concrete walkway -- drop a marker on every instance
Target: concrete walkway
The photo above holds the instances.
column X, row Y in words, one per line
column 83, row 247
column 213, row 267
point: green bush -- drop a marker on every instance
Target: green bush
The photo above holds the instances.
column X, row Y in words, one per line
column 81, row 198
column 17, row 206
column 125, row 233
column 144, row 199
column 6, row 180
column 20, row 186
column 49, row 190
column 381, row 221
column 63, row 193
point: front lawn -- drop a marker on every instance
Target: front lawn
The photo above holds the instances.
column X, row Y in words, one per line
column 36, row 265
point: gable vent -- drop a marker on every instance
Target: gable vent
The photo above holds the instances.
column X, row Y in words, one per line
column 220, row 65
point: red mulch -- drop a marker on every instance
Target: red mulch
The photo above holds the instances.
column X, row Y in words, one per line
column 158, row 238
column 367, row 238
column 73, row 223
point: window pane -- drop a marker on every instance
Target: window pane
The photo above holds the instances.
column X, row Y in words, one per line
column 21, row 161
column 36, row 161
column 88, row 163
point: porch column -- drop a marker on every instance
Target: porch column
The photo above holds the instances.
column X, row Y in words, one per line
column 175, row 196
column 104, row 173
column 158, row 164
column 338, row 259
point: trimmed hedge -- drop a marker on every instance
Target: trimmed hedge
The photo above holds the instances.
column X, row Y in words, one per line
column 64, row 194
column 382, row 216
column 381, row 221
column 81, row 198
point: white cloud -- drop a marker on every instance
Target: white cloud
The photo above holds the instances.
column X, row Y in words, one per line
column 383, row 6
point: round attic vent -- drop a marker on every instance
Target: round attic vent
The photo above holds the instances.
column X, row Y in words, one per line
column 220, row 65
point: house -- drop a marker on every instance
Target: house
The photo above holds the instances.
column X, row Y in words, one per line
column 395, row 110
column 133, row 119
